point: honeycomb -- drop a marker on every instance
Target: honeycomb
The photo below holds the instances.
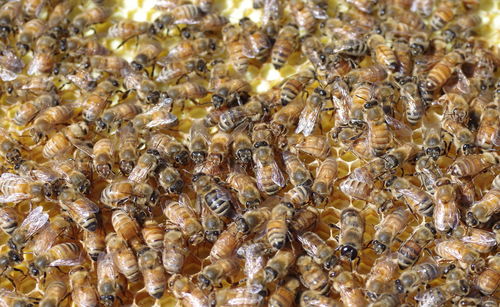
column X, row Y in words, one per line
column 262, row 79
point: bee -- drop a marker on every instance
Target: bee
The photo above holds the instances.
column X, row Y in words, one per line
column 446, row 215
column 382, row 272
column 286, row 43
column 304, row 219
column 170, row 149
column 488, row 134
column 434, row 145
column 428, row 173
column 81, row 209
column 442, row 16
column 9, row 219
column 350, row 291
column 269, row 177
column 227, row 244
column 277, row 267
column 234, row 43
column 361, row 94
column 170, row 180
column 248, row 193
column 189, row 48
column 457, row 108
column 305, row 16
column 456, row 250
column 419, row 200
column 56, row 289
column 180, row 213
column 311, row 298
column 297, row 196
column 290, row 89
column 392, row 225
column 28, row 110
column 110, row 283
column 472, row 165
column 312, row 275
column 312, row 48
column 236, row 116
column 9, row 148
column 461, row 27
column 242, row 146
column 285, row 294
column 149, row 50
column 277, row 226
column 360, row 188
column 326, row 174
column 64, row 140
column 83, row 293
column 9, row 12
column 181, row 14
column 442, row 71
column 123, row 257
column 213, row 195
column 58, row 16
column 218, row 147
column 127, row 29
column 409, row 252
column 63, row 254
column 420, row 274
column 10, row 298
column 296, row 170
column 373, row 73
column 109, row 63
column 414, row 106
column 310, row 114
column 155, row 280
column 487, row 282
column 231, row 91
column 387, row 300
column 186, row 90
column 146, row 164
column 95, row 15
column 94, row 242
column 352, row 227
column 103, row 153
column 73, row 177
column 482, row 210
column 176, row 70
column 16, row 188
column 214, row 273
column 95, row 103
column 396, row 157
column 380, row 137
column 255, row 260
column 175, row 251
column 147, row 91
column 317, row 248
column 127, row 151
column 384, row 55
column 29, row 33
column 212, row 225
column 116, row 114
column 253, row 220
column 185, row 290
column 77, row 47
column 258, row 44
column 49, row 118
column 419, row 42
column 351, row 47
column 43, row 57
column 153, row 234
column 212, row 22
column 480, row 240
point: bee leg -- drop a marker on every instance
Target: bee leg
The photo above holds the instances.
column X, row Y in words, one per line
column 123, row 42
column 334, row 226
column 11, row 281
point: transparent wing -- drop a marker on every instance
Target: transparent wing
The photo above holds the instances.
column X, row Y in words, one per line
column 7, row 75
column 318, row 12
column 272, row 11
column 399, row 127
column 14, row 198
column 167, row 119
column 277, row 175
column 44, row 240
column 480, row 237
column 11, row 176
column 67, row 262
column 106, row 267
column 35, row 220
column 307, row 120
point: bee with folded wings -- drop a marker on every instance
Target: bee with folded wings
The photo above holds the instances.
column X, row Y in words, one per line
column 310, row 114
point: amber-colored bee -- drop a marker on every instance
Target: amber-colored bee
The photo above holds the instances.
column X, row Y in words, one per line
column 77, row 46
column 291, row 88
column 254, row 220
column 148, row 51
column 488, row 133
column 155, row 279
column 49, row 118
column 409, row 252
column 442, row 71
column 322, row 186
column 81, row 209
column 311, row 298
column 482, row 210
column 9, row 219
column 312, row 48
column 472, row 165
column 64, row 254
column 117, row 114
column 170, row 149
column 28, row 110
column 89, row 17
column 181, row 14
column 488, row 281
column 373, row 73
column 188, row 49
column 352, row 227
column 257, row 42
column 126, row 29
column 304, row 219
column 127, row 151
column 349, row 288
column 63, row 141
column 30, row 32
column 10, row 298
column 9, row 11
column 317, row 248
column 175, row 251
column 285, row 294
column 176, row 70
column 235, row 46
column 213, row 274
column 153, row 233
column 231, row 92
column 248, row 194
column 187, row 90
column 420, row 274
column 227, row 243
column 446, row 215
column 95, row 103
column 312, row 275
column 111, row 285
column 56, row 288
column 419, row 42
column 123, row 257
column 180, row 213
column 94, row 242
column 83, row 292
column 285, row 45
column 392, row 225
column 103, row 153
column 212, row 224
column 242, row 146
column 384, row 55
column 442, row 15
column 109, row 63
column 381, row 274
column 413, row 103
column 16, row 188
column 456, row 250
column 304, row 16
column 419, row 200
column 396, row 157
column 269, row 177
column 9, row 148
column 277, row 226
column 296, row 170
column 213, row 195
column 185, row 290
column 380, row 137
column 297, row 196
column 461, row 26
column 277, row 267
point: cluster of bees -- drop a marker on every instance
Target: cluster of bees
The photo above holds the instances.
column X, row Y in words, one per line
column 113, row 193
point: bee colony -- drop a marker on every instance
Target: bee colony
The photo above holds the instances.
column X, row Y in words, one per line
column 281, row 153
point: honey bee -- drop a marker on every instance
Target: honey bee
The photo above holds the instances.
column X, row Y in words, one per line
column 170, row 149
column 446, row 215
column 304, row 219
column 382, row 272
column 95, row 103
column 392, row 225
column 419, row 200
column 28, row 110
column 213, row 195
column 145, row 166
column 214, row 273
column 257, row 43
column 43, row 57
column 149, row 50
column 170, row 180
column 212, row 225
column 127, row 29
column 253, row 220
column 64, row 140
column 286, row 43
column 227, row 244
column 317, row 248
column 109, row 63
column 186, row 90
column 234, row 117
column 419, row 42
column 94, row 242
column 312, row 275
column 277, row 267
column 81, row 209
column 189, row 48
column 312, row 48
column 242, row 146
column 153, row 234
column 269, row 177
column 461, row 27
column 311, row 298
column 123, row 258
column 9, row 148
column 442, row 15
column 414, row 106
column 155, row 280
column 248, row 194
column 110, row 283
column 116, row 114
column 175, row 251
column 185, row 290
column 89, row 17
column 63, row 254
column 352, row 227
column 255, row 260
column 396, row 157
column 384, row 55
column 488, row 134
column 290, row 89
column 472, row 165
column 235, row 46
column 480, row 240
column 380, row 137
column 16, row 188
column 482, row 210
column 180, row 213
column 487, row 282
column 285, row 294
column 83, row 293
column 49, row 118
column 9, row 219
column 181, row 14
column 456, row 250
column 297, row 196
column 72, row 175
column 305, row 15
column 176, row 70
column 409, row 252
column 277, row 226
column 103, row 153
column 77, row 46
column 127, row 228
column 147, row 91
column 231, row 91
column 361, row 188
column 9, row 11
column 296, row 170
column 311, row 112
column 218, row 147
column 322, row 186
column 29, row 33
column 212, row 22
column 10, row 298
column 350, row 291
column 442, row 71
column 434, row 145
column 373, row 73
column 428, row 173
column 56, row 289
column 420, row 274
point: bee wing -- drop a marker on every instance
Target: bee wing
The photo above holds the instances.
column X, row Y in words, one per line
column 482, row 237
column 14, row 198
column 248, row 51
column 35, row 220
column 307, row 120
column 461, row 87
column 185, row 201
column 7, row 75
column 445, row 218
column 139, row 174
column 12, row 176
column 277, row 175
column 318, row 12
column 105, row 266
column 401, row 129
column 44, row 240
column 272, row 11
column 169, row 119
column 67, row 262
column 82, row 146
